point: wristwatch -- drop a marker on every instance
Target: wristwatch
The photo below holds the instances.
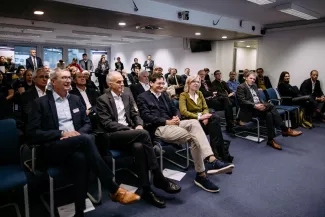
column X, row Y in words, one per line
column 199, row 116
column 62, row 131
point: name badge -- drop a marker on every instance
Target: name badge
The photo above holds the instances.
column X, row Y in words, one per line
column 75, row 110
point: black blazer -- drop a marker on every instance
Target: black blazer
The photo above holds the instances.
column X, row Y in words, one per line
column 287, row 90
column 99, row 71
column 26, row 100
column 130, row 77
column 136, row 90
column 135, row 65
column 246, row 102
column 149, row 66
column 43, row 123
column 149, row 109
column 204, row 91
column 116, row 66
column 30, row 64
column 225, row 88
column 91, row 93
column 306, row 88
column 172, row 81
column 266, row 80
column 108, row 117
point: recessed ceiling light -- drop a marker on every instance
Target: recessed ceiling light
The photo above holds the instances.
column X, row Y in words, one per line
column 38, row 12
column 224, row 37
column 121, row 24
column 248, row 46
column 197, row 33
column 262, row 2
column 242, row 41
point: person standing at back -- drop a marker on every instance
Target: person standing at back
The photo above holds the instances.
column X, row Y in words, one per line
column 101, row 72
column 33, row 62
column 149, row 64
column 86, row 64
column 119, row 65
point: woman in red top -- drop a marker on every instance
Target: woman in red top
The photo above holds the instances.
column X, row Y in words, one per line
column 74, row 63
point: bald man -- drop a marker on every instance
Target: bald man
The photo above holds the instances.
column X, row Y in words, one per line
column 33, row 62
column 124, row 129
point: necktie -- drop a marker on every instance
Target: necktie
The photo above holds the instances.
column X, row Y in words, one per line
column 34, row 63
column 176, row 81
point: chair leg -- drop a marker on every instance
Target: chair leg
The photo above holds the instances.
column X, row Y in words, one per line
column 258, row 130
column 52, row 196
column 99, row 194
column 113, row 168
column 26, row 200
column 15, row 207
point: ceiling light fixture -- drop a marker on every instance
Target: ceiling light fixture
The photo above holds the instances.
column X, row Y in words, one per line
column 248, row 46
column 298, row 11
column 38, row 12
column 241, row 41
column 224, row 37
column 121, row 24
column 197, row 33
column 262, row 2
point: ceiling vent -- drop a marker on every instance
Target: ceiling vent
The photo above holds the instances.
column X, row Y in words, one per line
column 32, row 28
column 137, row 38
column 115, row 41
column 19, row 34
column 72, row 38
column 60, row 42
column 91, row 33
column 149, row 27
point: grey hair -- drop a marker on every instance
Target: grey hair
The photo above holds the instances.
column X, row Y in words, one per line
column 142, row 72
column 110, row 76
column 35, row 72
column 54, row 73
column 85, row 72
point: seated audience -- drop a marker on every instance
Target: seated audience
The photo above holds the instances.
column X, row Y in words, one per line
column 251, row 105
column 142, row 86
column 58, row 122
column 75, row 64
column 175, row 81
column 119, row 119
column 10, row 67
column 135, row 74
column 89, row 82
column 168, row 73
column 192, row 105
column 307, row 103
column 312, row 87
column 187, row 72
column 262, row 82
column 40, row 78
column 6, row 94
column 88, row 96
column 3, row 62
column 161, row 119
column 232, row 82
column 217, row 102
column 22, row 85
column 60, row 64
column 135, row 65
column 207, row 76
column 128, row 78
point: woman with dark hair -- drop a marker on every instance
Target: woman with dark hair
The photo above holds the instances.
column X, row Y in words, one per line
column 307, row 103
column 101, row 72
column 6, row 94
column 74, row 63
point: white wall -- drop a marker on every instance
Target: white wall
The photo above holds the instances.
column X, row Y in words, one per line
column 297, row 51
column 166, row 53
column 246, row 59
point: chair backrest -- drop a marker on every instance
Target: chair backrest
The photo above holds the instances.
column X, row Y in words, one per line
column 272, row 93
column 9, row 142
column 262, row 95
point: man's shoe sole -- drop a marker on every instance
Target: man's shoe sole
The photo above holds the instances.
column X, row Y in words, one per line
column 221, row 171
column 201, row 186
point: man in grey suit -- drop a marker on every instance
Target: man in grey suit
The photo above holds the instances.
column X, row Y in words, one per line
column 86, row 64
column 123, row 128
column 149, row 64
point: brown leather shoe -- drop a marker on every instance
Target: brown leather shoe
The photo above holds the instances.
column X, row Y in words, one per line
column 292, row 133
column 124, row 197
column 274, row 145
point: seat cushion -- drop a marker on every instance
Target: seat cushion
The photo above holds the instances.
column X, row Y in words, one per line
column 289, row 108
column 12, row 177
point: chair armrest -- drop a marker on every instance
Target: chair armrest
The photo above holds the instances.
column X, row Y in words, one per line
column 286, row 100
column 278, row 101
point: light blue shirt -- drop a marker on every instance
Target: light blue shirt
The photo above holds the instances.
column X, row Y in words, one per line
column 64, row 112
column 233, row 85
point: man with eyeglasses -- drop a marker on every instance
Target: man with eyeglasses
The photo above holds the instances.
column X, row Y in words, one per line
column 124, row 130
column 40, row 78
column 59, row 124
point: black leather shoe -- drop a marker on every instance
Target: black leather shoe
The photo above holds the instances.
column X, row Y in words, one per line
column 151, row 197
column 230, row 130
column 167, row 185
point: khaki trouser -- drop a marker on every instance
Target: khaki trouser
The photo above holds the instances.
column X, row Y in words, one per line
column 188, row 131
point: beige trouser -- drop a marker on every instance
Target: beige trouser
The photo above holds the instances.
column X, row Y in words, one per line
column 188, row 131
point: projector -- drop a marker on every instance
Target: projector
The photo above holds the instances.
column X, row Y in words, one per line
column 185, row 15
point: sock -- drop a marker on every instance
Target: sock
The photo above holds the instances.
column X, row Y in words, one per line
column 210, row 158
column 202, row 174
column 157, row 174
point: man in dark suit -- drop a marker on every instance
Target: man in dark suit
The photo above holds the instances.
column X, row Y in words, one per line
column 251, row 105
column 161, row 117
column 33, row 62
column 124, row 129
column 119, row 65
column 128, row 78
column 311, row 86
column 88, row 96
column 59, row 124
column 142, row 86
column 149, row 64
column 135, row 65
column 40, row 78
column 262, row 82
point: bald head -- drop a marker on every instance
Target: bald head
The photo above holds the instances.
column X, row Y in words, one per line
column 115, row 81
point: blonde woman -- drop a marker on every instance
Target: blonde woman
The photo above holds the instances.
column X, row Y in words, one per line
column 192, row 105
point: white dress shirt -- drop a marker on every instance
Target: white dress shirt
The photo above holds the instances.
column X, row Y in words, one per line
column 34, row 60
column 194, row 98
column 120, row 109
column 85, row 97
column 312, row 85
column 145, row 86
column 254, row 94
column 40, row 92
column 157, row 95
column 64, row 112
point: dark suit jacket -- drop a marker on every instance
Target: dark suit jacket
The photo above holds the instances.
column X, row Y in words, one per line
column 91, row 93
column 136, row 90
column 130, row 77
column 43, row 124
column 26, row 101
column 266, row 80
column 30, row 64
column 306, row 88
column 288, row 90
column 135, row 65
column 149, row 109
column 108, row 117
column 224, row 91
column 116, row 66
column 246, row 102
column 149, row 66
column 99, row 71
column 205, row 92
column 172, row 81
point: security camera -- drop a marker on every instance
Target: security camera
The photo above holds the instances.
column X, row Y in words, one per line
column 185, row 15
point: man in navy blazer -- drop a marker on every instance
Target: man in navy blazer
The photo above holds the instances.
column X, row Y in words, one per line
column 59, row 124
column 33, row 62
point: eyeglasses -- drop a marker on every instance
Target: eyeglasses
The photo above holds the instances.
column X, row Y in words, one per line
column 66, row 78
column 118, row 82
column 43, row 76
column 80, row 76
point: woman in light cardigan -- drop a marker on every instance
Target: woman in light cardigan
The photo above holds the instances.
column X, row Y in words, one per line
column 192, row 105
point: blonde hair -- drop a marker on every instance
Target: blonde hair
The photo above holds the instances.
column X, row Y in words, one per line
column 189, row 80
